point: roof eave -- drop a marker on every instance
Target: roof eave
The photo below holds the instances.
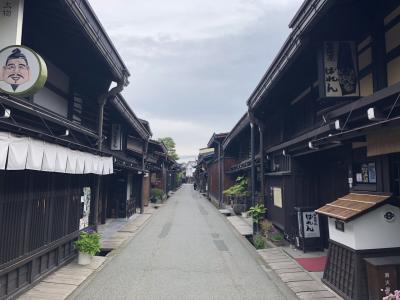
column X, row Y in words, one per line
column 243, row 122
column 86, row 18
column 300, row 23
column 120, row 103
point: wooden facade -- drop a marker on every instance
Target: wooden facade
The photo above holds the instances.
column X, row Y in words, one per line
column 334, row 131
column 76, row 113
column 128, row 144
column 215, row 168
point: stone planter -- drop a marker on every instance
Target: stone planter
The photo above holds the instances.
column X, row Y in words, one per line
column 239, row 208
column 84, row 259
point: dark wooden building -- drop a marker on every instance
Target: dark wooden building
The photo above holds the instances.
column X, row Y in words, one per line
column 201, row 172
column 54, row 155
column 237, row 157
column 330, row 141
column 157, row 156
column 127, row 141
column 215, row 169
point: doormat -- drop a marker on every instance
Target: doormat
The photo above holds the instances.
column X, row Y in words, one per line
column 313, row 264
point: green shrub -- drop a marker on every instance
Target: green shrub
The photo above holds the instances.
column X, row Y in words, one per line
column 277, row 237
column 239, row 189
column 157, row 194
column 259, row 241
column 257, row 212
column 88, row 242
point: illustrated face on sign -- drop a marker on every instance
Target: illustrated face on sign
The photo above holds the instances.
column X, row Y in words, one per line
column 22, row 71
column 16, row 70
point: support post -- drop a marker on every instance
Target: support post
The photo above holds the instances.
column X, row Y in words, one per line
column 220, row 183
column 102, row 102
column 261, row 129
column 253, row 165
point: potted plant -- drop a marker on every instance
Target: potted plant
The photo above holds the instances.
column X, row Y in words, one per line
column 257, row 213
column 238, row 194
column 277, row 238
column 259, row 241
column 157, row 195
column 87, row 245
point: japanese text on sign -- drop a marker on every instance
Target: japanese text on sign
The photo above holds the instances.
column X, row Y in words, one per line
column 6, row 9
column 340, row 73
column 310, row 224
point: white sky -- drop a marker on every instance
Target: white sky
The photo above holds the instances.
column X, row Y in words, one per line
column 194, row 63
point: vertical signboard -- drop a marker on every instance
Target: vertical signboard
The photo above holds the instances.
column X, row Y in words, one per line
column 11, row 17
column 85, row 208
column 339, row 76
column 309, row 228
column 116, row 137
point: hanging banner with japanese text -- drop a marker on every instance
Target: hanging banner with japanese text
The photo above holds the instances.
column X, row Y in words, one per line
column 340, row 76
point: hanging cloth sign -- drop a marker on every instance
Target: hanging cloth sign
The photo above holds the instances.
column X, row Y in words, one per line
column 340, row 78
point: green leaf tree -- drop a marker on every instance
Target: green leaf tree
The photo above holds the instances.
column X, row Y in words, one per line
column 170, row 144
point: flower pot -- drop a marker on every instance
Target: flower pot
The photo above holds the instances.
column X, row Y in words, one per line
column 84, row 259
column 238, row 208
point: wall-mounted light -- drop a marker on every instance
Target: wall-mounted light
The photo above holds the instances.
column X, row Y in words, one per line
column 283, row 152
column 338, row 125
column 312, row 146
column 65, row 133
column 6, row 114
column 139, row 172
column 374, row 114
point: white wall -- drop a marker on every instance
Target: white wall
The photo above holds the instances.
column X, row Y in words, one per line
column 370, row 231
column 346, row 238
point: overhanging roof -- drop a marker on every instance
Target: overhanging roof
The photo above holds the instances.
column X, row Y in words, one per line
column 123, row 107
column 146, row 124
column 160, row 145
column 217, row 137
column 353, row 205
column 243, row 122
column 86, row 17
column 300, row 23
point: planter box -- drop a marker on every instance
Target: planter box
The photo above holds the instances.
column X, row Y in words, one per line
column 84, row 259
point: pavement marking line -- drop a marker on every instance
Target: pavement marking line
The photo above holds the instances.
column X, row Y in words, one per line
column 220, row 244
column 165, row 230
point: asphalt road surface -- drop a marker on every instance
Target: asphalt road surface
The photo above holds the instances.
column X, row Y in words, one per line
column 186, row 251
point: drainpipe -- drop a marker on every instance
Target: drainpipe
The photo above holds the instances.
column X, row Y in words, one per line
column 146, row 147
column 253, row 167
column 219, row 174
column 102, row 102
column 261, row 129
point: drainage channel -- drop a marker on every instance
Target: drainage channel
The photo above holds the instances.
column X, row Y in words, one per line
column 104, row 252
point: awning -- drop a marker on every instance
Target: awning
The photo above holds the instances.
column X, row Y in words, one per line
column 352, row 205
column 20, row 153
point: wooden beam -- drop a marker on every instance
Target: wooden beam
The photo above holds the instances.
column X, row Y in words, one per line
column 304, row 137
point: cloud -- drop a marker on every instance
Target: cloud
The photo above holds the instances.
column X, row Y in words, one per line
column 194, row 64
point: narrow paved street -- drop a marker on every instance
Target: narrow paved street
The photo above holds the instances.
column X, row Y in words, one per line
column 186, row 251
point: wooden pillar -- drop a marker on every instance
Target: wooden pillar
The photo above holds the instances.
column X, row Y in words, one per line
column 261, row 129
column 253, row 165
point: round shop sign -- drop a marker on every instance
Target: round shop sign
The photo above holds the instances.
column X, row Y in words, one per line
column 22, row 71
